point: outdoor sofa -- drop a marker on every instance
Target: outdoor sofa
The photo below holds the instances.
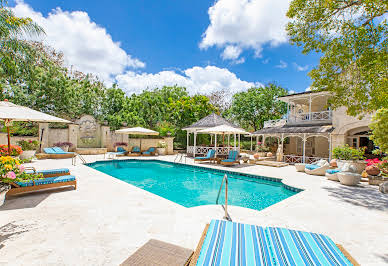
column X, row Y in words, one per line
column 210, row 156
column 233, row 158
column 55, row 153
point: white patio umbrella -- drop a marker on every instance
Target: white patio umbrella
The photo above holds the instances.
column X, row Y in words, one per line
column 223, row 129
column 10, row 112
column 137, row 131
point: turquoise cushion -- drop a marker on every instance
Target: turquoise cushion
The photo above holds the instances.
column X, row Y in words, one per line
column 228, row 160
column 151, row 149
column 25, row 184
column 58, row 150
column 121, row 149
column 147, row 152
column 135, row 149
column 49, row 150
column 58, row 179
column 332, row 171
column 50, row 171
column 312, row 166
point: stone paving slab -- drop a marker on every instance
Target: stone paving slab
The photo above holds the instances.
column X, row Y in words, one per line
column 106, row 220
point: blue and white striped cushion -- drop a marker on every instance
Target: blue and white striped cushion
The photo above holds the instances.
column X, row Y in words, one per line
column 58, row 179
column 291, row 247
column 228, row 243
column 50, row 171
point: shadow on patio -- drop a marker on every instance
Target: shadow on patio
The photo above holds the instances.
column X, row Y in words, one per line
column 30, row 200
column 368, row 197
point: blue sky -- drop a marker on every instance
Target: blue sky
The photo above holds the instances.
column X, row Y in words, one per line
column 142, row 44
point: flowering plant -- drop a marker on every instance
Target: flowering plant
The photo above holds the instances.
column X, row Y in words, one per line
column 120, row 144
column 62, row 144
column 15, row 150
column 348, row 153
column 28, row 145
column 382, row 164
column 261, row 148
column 12, row 171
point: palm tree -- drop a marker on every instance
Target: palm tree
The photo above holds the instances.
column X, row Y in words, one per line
column 15, row 51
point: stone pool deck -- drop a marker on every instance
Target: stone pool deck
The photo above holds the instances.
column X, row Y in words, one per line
column 105, row 220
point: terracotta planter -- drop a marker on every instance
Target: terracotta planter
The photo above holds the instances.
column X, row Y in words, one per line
column 372, row 170
column 348, row 178
column 161, row 151
column 27, row 155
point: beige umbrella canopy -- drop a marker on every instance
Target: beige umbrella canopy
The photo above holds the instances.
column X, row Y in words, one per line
column 10, row 112
column 223, row 129
column 137, row 131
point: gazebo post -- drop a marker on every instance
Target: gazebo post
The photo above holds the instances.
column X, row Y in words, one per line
column 304, row 148
column 215, row 145
column 228, row 143
column 234, row 140
column 195, row 143
column 251, row 142
column 239, row 142
column 188, row 139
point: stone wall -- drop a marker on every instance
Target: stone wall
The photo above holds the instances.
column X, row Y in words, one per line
column 14, row 140
column 148, row 143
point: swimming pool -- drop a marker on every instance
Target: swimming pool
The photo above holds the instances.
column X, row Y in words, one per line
column 192, row 186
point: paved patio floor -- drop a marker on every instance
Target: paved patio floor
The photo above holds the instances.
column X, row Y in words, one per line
column 105, row 220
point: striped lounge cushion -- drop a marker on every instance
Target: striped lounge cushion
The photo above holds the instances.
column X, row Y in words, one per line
column 291, row 247
column 228, row 243
column 51, row 171
column 58, row 179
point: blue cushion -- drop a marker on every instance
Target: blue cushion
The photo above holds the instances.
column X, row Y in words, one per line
column 49, row 150
column 58, row 179
column 50, row 171
column 25, row 184
column 333, row 171
column 58, row 150
column 147, row 152
column 121, row 149
column 228, row 160
column 135, row 149
column 152, row 149
column 312, row 166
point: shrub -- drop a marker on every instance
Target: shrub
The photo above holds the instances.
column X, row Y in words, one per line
column 28, row 145
column 120, row 144
column 261, row 148
column 348, row 153
column 62, row 144
column 12, row 171
column 15, row 150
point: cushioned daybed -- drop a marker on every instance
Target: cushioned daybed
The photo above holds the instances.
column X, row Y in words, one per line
column 229, row 243
column 55, row 153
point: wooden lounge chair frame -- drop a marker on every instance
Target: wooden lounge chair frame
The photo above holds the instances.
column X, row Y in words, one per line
column 16, row 190
column 232, row 163
column 151, row 153
column 55, row 156
column 197, row 251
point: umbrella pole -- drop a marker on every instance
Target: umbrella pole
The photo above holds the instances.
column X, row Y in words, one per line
column 9, row 141
column 40, row 143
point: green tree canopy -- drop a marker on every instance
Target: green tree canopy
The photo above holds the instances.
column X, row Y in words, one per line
column 253, row 107
column 380, row 129
column 352, row 36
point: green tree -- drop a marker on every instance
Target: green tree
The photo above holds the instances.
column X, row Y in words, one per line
column 380, row 129
column 252, row 107
column 15, row 51
column 352, row 37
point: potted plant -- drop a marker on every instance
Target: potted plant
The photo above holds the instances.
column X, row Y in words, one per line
column 29, row 148
column 120, row 144
column 377, row 171
column 161, row 148
column 262, row 150
column 12, row 171
column 351, row 156
column 15, row 151
column 64, row 145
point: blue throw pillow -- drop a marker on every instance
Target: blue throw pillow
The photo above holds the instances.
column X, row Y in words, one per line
column 332, row 171
column 312, row 166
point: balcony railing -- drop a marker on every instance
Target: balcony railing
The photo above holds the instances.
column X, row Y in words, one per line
column 323, row 116
column 203, row 150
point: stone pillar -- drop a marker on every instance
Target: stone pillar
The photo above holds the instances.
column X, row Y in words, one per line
column 43, row 135
column 106, row 138
column 170, row 145
column 73, row 135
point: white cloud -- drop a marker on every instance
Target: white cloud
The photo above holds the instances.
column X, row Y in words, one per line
column 308, row 89
column 282, row 64
column 86, row 45
column 291, row 92
column 301, row 68
column 231, row 52
column 196, row 79
column 246, row 24
column 265, row 61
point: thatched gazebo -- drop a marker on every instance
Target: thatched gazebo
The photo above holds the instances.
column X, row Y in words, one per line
column 210, row 121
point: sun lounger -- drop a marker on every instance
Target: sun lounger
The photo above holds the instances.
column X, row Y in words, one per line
column 40, row 184
column 136, row 149
column 229, row 243
column 331, row 174
column 48, row 173
column 209, row 156
column 119, row 152
column 55, row 153
column 233, row 158
column 149, row 152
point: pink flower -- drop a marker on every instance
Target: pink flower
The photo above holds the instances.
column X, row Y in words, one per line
column 21, row 168
column 11, row 175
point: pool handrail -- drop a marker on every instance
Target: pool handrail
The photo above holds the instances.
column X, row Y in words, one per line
column 225, row 178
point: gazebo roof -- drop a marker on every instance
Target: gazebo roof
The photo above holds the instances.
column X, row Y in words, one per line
column 211, row 120
column 310, row 129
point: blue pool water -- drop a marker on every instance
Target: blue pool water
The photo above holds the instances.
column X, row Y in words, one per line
column 194, row 186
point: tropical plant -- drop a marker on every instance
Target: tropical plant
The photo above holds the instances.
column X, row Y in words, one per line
column 162, row 144
column 63, row 144
column 12, row 171
column 28, row 145
column 346, row 152
column 253, row 107
column 261, row 148
column 352, row 38
column 380, row 130
column 15, row 150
